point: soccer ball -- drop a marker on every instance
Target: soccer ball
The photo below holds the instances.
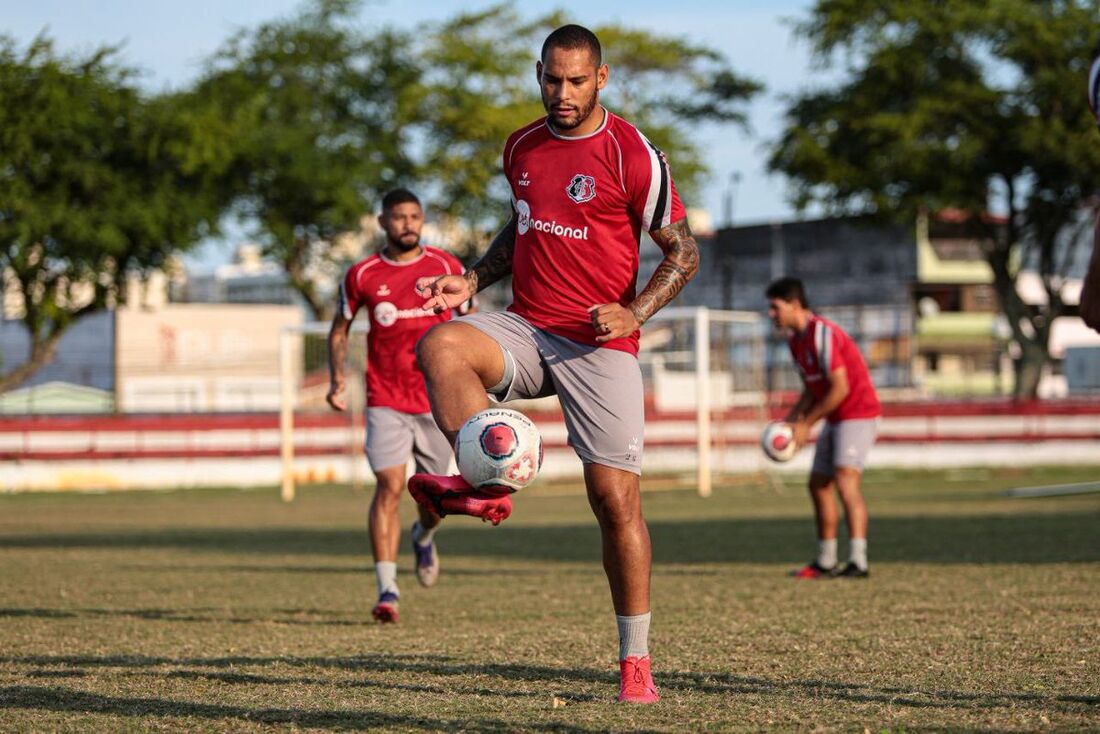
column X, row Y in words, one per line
column 778, row 441
column 499, row 449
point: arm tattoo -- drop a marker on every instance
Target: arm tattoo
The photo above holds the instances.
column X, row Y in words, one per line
column 497, row 260
column 678, row 267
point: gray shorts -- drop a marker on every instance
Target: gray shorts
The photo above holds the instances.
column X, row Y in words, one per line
column 846, row 444
column 393, row 435
column 600, row 389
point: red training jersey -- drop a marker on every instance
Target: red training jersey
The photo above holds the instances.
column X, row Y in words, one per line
column 823, row 348
column 581, row 204
column 387, row 289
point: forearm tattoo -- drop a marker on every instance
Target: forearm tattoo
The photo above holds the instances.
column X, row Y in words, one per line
column 497, row 260
column 680, row 264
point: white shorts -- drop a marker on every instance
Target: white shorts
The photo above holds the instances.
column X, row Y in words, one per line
column 392, row 436
column 600, row 389
column 846, row 444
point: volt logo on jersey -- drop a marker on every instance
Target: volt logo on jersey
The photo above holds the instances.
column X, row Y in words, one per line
column 581, row 188
column 383, row 290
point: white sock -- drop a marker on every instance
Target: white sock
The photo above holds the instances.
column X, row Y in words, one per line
column 422, row 535
column 633, row 635
column 386, row 573
column 858, row 552
column 826, row 553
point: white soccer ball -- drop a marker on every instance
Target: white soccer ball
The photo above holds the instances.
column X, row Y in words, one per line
column 778, row 441
column 499, row 448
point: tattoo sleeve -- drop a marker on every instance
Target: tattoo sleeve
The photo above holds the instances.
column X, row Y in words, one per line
column 679, row 265
column 497, row 260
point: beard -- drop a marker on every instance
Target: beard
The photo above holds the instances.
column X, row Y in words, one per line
column 583, row 112
column 405, row 242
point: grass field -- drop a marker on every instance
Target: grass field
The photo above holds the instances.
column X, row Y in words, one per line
column 227, row 610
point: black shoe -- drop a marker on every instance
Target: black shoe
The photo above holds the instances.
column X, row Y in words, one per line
column 814, row 571
column 852, row 571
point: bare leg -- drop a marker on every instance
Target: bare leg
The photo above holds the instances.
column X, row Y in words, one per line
column 385, row 526
column 615, row 497
column 848, row 482
column 459, row 363
column 825, row 510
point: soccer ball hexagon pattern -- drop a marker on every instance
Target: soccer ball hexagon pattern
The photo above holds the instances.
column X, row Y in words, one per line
column 778, row 441
column 499, row 448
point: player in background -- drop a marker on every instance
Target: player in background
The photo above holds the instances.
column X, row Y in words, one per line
column 1090, row 289
column 399, row 422
column 585, row 183
column 837, row 387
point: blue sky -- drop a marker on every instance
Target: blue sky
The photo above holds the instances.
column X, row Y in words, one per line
column 169, row 39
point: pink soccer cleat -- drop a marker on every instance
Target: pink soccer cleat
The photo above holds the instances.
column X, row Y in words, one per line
column 385, row 611
column 635, row 682
column 454, row 496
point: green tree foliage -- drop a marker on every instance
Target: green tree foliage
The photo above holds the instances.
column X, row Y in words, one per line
column 97, row 184
column 480, row 85
column 324, row 109
column 969, row 106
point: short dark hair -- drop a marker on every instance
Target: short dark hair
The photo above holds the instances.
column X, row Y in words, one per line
column 573, row 36
column 399, row 196
column 788, row 289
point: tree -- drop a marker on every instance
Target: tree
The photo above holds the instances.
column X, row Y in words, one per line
column 971, row 106
column 97, row 183
column 324, row 110
column 480, row 86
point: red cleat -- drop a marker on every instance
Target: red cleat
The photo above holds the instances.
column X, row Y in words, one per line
column 385, row 611
column 814, row 571
column 635, row 681
column 453, row 496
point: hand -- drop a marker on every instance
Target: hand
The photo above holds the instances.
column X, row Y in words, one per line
column 335, row 396
column 612, row 321
column 801, row 433
column 444, row 292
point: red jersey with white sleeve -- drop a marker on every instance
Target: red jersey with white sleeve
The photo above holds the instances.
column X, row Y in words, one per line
column 823, row 348
column 581, row 205
column 387, row 289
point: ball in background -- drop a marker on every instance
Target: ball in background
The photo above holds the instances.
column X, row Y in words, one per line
column 778, row 441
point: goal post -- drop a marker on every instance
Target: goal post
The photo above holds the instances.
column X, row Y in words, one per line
column 304, row 381
column 712, row 363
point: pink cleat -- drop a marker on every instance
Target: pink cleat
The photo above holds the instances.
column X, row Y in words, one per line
column 453, row 496
column 385, row 611
column 635, row 682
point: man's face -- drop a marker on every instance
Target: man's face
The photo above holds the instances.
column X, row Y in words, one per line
column 402, row 224
column 570, row 83
column 782, row 313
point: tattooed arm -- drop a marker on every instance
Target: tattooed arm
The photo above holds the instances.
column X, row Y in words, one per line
column 451, row 291
column 681, row 261
column 497, row 260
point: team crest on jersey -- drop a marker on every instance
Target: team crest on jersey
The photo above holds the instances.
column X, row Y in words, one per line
column 384, row 290
column 582, row 188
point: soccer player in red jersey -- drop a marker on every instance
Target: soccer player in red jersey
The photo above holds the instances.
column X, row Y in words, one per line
column 399, row 422
column 837, row 387
column 585, row 183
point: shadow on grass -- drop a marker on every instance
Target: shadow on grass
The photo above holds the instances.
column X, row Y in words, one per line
column 303, row 617
column 67, row 700
column 1017, row 538
column 722, row 684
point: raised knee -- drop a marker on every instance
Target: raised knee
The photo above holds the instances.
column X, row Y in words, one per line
column 437, row 340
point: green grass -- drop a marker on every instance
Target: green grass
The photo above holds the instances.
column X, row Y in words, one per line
column 228, row 610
